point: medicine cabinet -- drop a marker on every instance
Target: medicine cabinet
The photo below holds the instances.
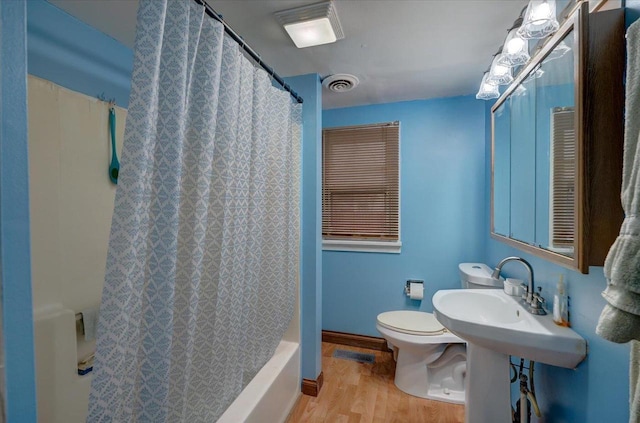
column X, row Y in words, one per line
column 557, row 138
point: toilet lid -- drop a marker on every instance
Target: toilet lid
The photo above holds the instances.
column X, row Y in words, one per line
column 411, row 322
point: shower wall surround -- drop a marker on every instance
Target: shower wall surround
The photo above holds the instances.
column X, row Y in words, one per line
column 70, row 193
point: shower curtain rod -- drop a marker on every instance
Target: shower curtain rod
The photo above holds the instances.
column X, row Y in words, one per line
column 251, row 52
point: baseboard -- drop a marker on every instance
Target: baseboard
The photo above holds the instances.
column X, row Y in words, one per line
column 312, row 387
column 361, row 341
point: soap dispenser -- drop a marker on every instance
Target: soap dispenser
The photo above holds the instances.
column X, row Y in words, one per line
column 561, row 305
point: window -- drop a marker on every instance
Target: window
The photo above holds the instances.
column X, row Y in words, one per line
column 360, row 188
column 563, row 174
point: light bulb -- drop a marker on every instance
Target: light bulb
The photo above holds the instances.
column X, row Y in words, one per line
column 515, row 50
column 487, row 90
column 539, row 19
column 499, row 73
column 541, row 12
column 500, row 70
column 515, row 45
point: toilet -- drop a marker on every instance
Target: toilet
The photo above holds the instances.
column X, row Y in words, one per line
column 431, row 361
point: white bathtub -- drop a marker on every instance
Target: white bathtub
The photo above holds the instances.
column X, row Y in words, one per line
column 272, row 393
column 63, row 396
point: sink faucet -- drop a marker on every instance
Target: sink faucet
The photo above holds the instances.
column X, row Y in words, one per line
column 534, row 300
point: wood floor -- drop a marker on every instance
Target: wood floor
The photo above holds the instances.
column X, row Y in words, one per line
column 357, row 392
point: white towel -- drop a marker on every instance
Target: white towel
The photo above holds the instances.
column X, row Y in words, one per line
column 620, row 319
column 89, row 323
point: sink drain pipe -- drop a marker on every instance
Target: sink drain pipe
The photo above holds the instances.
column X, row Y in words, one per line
column 522, row 413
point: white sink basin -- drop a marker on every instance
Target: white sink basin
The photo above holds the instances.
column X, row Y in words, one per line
column 494, row 320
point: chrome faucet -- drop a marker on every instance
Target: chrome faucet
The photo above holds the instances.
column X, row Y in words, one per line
column 533, row 299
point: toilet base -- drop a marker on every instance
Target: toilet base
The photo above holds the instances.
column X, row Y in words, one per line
column 446, row 383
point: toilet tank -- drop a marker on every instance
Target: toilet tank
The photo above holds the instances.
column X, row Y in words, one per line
column 478, row 276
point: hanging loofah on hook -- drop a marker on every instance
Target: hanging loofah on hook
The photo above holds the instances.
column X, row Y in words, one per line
column 114, row 167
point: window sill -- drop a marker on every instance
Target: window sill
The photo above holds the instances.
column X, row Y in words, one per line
column 391, row 247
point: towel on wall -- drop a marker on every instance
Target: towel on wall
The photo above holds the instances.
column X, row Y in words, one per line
column 89, row 323
column 620, row 319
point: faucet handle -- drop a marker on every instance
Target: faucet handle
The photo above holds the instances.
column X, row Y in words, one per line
column 525, row 292
column 536, row 304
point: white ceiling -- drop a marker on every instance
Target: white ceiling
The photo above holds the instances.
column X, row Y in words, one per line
column 399, row 49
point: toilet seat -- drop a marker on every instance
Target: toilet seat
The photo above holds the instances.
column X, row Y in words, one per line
column 411, row 322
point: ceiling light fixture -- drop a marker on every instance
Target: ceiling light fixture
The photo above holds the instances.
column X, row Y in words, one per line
column 539, row 20
column 312, row 25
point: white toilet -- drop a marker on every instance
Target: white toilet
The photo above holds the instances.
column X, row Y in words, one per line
column 431, row 361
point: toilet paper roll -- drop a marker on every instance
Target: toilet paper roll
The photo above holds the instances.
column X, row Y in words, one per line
column 416, row 291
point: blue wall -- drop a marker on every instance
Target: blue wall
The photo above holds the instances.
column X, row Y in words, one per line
column 15, row 255
column 598, row 390
column 442, row 212
column 65, row 50
column 308, row 86
column 444, row 222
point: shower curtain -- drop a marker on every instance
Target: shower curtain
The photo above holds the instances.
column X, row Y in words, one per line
column 203, row 255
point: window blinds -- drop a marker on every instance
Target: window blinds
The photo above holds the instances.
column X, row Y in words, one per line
column 563, row 177
column 360, row 182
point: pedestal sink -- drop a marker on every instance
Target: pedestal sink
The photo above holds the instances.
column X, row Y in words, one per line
column 495, row 325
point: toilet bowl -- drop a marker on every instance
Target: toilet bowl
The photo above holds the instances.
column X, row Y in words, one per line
column 431, row 361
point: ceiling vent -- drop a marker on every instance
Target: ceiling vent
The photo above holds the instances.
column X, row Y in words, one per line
column 340, row 82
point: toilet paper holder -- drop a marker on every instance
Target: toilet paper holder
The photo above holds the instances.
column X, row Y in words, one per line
column 407, row 286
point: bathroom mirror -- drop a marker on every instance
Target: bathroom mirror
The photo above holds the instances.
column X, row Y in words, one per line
column 534, row 153
column 547, row 139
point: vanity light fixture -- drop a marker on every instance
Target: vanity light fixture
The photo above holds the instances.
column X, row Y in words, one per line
column 515, row 51
column 499, row 74
column 487, row 91
column 539, row 19
column 312, row 25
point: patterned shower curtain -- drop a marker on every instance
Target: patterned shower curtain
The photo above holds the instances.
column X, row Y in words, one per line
column 203, row 255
